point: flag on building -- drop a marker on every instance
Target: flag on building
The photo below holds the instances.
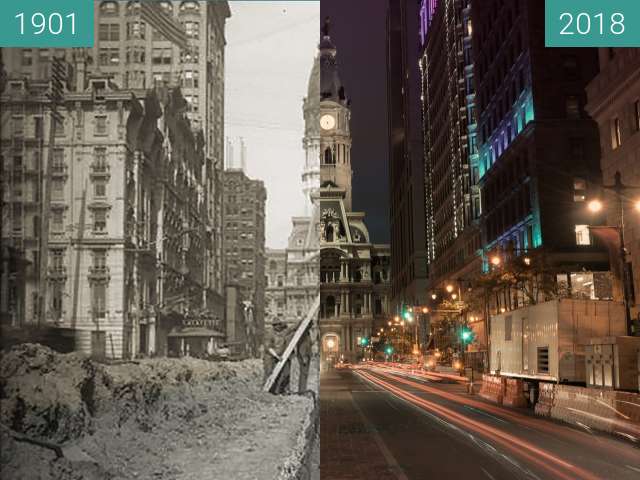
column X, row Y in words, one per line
column 152, row 13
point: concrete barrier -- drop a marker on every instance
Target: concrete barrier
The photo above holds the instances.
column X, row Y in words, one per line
column 493, row 388
column 546, row 397
column 605, row 410
column 514, row 393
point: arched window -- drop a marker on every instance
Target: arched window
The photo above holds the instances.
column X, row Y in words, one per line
column 273, row 265
column 189, row 7
column 133, row 7
column 167, row 7
column 109, row 8
column 328, row 157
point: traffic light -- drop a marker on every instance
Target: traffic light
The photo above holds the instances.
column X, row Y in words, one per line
column 466, row 335
column 364, row 341
column 388, row 350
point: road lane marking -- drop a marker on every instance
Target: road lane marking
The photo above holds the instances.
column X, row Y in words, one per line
column 393, row 464
column 635, row 469
column 485, row 414
column 487, row 474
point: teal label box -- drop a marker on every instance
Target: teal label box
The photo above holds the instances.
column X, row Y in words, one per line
column 592, row 23
column 46, row 23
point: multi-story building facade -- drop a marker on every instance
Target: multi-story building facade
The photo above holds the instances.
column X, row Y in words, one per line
column 614, row 103
column 244, row 240
column 450, row 145
column 408, row 232
column 186, row 190
column 138, row 55
column 538, row 148
column 354, row 272
column 127, row 213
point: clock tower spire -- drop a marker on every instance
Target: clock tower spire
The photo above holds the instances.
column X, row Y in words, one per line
column 335, row 117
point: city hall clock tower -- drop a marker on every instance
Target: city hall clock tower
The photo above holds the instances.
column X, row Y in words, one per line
column 335, row 116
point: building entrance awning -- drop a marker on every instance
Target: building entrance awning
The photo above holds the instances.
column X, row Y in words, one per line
column 195, row 332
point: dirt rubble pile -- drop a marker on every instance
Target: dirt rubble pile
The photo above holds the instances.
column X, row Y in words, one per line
column 155, row 418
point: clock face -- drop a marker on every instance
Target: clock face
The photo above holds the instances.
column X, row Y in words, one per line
column 327, row 122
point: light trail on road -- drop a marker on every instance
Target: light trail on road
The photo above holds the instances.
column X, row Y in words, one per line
column 541, row 458
column 514, row 416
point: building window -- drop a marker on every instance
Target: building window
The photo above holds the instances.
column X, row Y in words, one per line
column 190, row 56
column 136, row 55
column 189, row 7
column 100, row 160
column 572, row 106
column 109, row 32
column 616, row 133
column 109, row 8
column 161, row 56
column 99, row 189
column 57, row 165
column 190, row 79
column 163, row 78
column 133, row 7
column 100, row 221
column 101, row 125
column 99, row 300
column 27, row 57
column 100, row 260
column 59, row 127
column 579, row 189
column 56, row 221
column 192, row 29
column 57, row 190
column 109, row 57
column 582, row 235
column 18, row 126
column 136, row 30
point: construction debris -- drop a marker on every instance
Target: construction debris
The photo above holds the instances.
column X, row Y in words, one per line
column 153, row 419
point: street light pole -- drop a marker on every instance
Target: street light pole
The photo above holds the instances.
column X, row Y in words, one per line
column 618, row 188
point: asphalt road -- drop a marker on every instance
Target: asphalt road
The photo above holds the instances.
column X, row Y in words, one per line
column 381, row 423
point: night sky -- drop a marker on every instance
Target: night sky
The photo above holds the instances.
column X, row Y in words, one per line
column 358, row 29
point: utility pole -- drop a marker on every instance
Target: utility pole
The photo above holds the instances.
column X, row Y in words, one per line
column 56, row 97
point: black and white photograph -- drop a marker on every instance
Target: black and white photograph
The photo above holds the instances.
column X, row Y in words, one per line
column 159, row 267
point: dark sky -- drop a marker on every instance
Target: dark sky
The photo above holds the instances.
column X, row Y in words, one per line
column 358, row 29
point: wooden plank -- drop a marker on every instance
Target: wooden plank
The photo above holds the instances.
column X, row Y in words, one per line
column 300, row 331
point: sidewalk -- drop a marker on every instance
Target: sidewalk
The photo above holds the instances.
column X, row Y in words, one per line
column 350, row 448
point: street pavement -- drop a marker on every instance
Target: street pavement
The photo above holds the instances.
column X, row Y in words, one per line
column 382, row 422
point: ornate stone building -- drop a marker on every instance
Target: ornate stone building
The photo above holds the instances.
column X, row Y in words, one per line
column 354, row 272
column 292, row 273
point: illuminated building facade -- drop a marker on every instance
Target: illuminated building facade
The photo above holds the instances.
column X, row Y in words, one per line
column 452, row 195
column 354, row 272
column 538, row 148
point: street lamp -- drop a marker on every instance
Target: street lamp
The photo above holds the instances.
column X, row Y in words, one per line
column 495, row 260
column 434, row 296
column 595, row 206
column 449, row 288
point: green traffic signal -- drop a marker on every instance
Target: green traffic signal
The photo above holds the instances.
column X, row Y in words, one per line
column 389, row 350
column 466, row 335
